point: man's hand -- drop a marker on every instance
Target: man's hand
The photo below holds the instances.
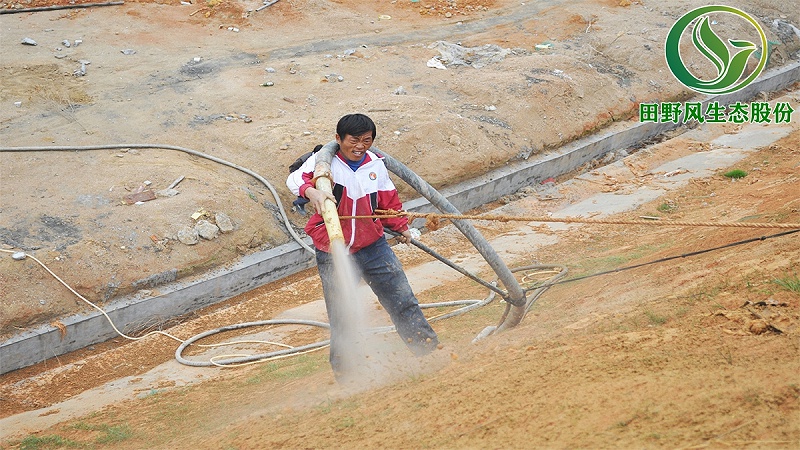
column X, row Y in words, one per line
column 317, row 198
column 405, row 237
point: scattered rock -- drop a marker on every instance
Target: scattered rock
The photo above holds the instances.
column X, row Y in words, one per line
column 167, row 193
column 224, row 222
column 128, row 51
column 81, row 71
column 188, row 236
column 477, row 57
column 332, row 78
column 206, row 229
column 28, row 41
column 758, row 326
column 455, row 140
column 434, row 63
column 400, row 91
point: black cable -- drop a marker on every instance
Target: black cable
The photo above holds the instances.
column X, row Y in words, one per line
column 452, row 265
column 669, row 258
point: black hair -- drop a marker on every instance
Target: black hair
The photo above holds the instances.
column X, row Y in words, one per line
column 355, row 125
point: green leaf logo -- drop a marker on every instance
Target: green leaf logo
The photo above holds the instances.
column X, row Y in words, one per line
column 730, row 62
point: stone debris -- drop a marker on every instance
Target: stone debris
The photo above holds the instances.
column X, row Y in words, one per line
column 188, row 236
column 435, row 63
column 400, row 91
column 206, row 229
column 81, row 71
column 128, row 51
column 224, row 222
column 169, row 192
column 332, row 78
column 28, row 41
column 66, row 43
column 477, row 57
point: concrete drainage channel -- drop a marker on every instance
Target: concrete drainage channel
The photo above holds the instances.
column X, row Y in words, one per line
column 252, row 271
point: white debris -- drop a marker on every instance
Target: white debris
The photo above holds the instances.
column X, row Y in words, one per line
column 434, row 63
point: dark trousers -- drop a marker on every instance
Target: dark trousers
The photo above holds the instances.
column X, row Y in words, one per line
column 383, row 273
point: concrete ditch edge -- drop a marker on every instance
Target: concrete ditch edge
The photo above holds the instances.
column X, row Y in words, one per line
column 252, row 271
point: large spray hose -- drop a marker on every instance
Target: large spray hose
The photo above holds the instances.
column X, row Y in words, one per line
column 322, row 181
column 515, row 295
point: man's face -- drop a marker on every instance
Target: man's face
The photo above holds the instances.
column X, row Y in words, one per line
column 354, row 147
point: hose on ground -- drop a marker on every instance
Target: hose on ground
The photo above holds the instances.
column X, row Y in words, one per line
column 234, row 360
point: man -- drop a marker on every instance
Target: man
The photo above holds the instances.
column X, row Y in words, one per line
column 362, row 185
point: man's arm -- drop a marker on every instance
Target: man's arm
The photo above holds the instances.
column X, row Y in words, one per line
column 301, row 183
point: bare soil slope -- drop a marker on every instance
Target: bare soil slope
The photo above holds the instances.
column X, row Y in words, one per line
column 700, row 351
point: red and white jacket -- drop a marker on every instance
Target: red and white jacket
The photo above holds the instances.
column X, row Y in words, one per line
column 358, row 193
